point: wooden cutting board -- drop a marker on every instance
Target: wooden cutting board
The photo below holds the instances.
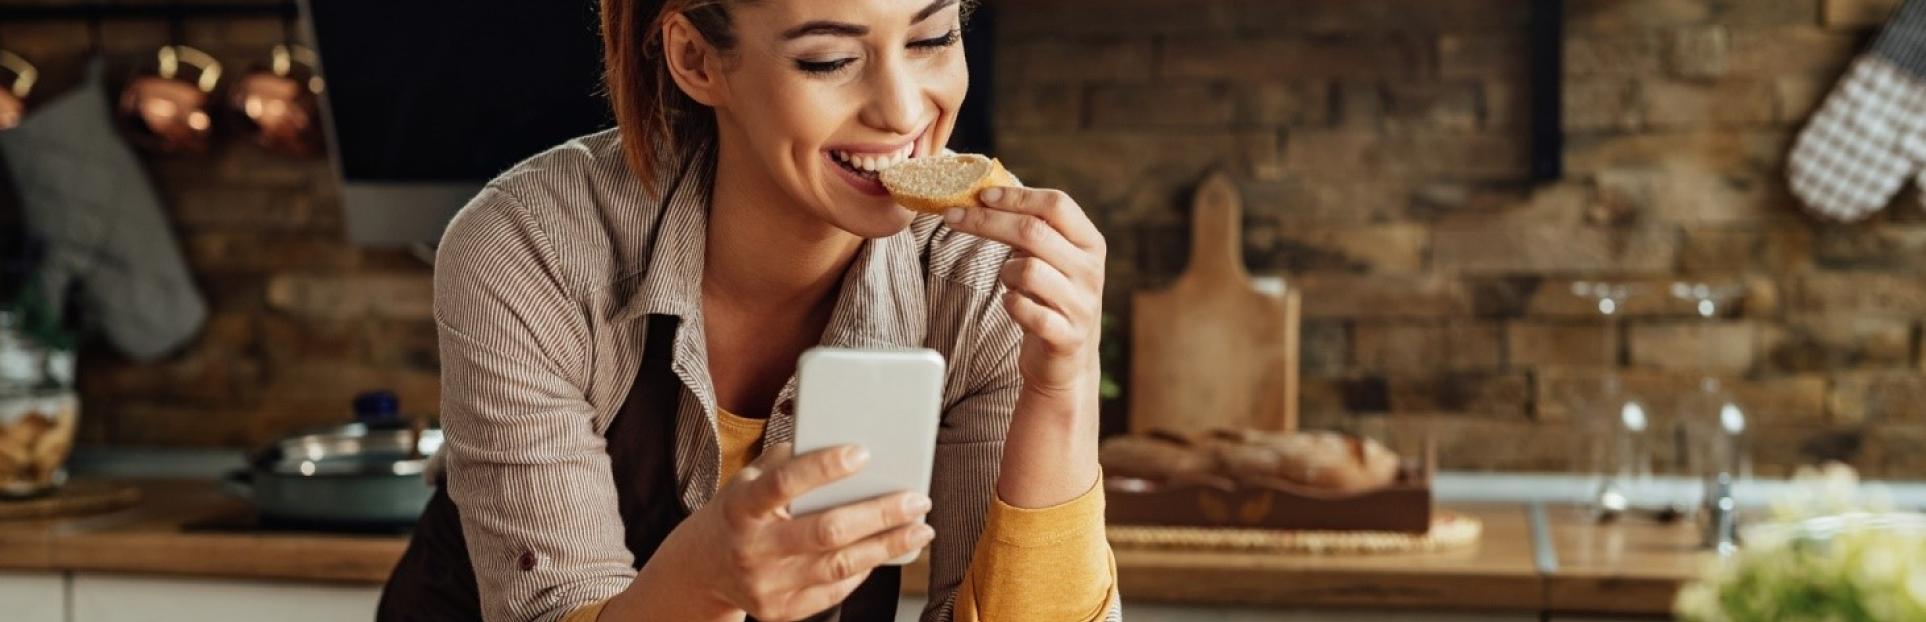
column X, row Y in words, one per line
column 77, row 498
column 1216, row 349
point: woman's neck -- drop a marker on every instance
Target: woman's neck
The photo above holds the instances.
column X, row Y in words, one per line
column 764, row 255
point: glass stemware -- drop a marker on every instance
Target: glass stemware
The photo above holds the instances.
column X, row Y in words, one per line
column 1615, row 444
column 1710, row 440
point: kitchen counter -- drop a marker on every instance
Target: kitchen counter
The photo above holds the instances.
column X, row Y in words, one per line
column 155, row 537
column 1569, row 565
column 1630, row 566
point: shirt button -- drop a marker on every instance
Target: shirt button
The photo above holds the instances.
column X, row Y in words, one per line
column 527, row 561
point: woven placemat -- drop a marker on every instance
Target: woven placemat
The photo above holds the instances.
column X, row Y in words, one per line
column 1448, row 530
column 76, row 498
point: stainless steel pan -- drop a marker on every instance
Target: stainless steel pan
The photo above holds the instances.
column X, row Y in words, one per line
column 353, row 475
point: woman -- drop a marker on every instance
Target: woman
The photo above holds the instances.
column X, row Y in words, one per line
column 620, row 319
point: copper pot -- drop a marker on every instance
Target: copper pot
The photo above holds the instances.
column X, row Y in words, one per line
column 13, row 95
column 278, row 104
column 165, row 111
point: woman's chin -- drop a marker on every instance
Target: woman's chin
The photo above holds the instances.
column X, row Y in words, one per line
column 880, row 221
column 866, row 215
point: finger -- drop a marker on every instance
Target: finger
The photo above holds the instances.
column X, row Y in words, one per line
column 777, row 454
column 1025, row 234
column 1044, row 283
column 771, row 457
column 858, row 559
column 1053, row 206
column 846, row 525
column 1042, row 322
column 776, row 486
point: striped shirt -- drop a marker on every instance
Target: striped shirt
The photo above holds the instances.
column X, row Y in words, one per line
column 543, row 286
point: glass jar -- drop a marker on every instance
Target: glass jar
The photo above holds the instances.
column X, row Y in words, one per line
column 38, row 412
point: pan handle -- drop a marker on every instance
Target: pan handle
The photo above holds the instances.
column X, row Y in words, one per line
column 239, row 483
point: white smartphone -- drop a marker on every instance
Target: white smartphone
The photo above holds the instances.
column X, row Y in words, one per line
column 887, row 401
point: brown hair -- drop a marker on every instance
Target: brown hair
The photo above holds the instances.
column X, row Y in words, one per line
column 657, row 120
column 659, row 123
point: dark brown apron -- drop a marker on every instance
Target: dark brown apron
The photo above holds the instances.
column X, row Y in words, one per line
column 435, row 580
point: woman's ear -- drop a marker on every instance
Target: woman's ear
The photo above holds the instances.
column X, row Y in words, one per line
column 695, row 65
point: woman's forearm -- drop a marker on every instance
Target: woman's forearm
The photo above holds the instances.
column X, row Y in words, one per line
column 1050, row 453
column 660, row 592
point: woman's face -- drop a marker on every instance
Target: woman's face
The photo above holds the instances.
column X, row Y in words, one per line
column 821, row 93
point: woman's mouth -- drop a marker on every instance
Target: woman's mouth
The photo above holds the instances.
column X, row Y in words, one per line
column 869, row 164
column 860, row 169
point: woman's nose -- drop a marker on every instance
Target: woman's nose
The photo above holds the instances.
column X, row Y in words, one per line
column 896, row 100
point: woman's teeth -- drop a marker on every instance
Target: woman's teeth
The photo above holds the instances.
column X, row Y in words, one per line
column 871, row 163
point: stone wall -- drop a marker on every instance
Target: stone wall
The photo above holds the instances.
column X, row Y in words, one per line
column 1381, row 146
column 300, row 320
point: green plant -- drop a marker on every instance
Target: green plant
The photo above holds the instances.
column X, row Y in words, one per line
column 1110, row 354
column 1862, row 566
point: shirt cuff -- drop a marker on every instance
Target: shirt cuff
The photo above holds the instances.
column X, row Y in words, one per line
column 1041, row 564
column 1027, row 528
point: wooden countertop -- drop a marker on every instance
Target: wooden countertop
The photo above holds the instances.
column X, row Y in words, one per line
column 152, row 537
column 1497, row 573
column 1628, row 567
column 1635, row 565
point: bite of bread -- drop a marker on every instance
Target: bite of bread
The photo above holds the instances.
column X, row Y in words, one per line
column 935, row 184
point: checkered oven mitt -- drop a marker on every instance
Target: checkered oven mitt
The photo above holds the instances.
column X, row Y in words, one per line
column 1869, row 135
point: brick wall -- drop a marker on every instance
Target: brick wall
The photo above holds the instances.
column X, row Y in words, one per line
column 1381, row 146
column 300, row 320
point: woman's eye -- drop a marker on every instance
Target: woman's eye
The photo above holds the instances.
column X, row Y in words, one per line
column 823, row 66
column 948, row 39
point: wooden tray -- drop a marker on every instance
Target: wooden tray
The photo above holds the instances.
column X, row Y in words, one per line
column 77, row 497
column 1403, row 506
column 1449, row 530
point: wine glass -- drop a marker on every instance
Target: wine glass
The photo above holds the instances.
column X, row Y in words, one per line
column 1616, row 444
column 1710, row 440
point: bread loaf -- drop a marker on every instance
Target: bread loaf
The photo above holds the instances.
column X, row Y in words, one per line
column 935, row 184
column 1323, row 460
column 1154, row 458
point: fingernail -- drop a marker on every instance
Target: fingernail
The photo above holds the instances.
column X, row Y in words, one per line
column 953, row 215
column 991, row 195
column 855, row 456
column 925, row 533
column 916, row 504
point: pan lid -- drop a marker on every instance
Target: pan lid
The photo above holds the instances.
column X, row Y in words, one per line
column 352, row 449
column 379, row 442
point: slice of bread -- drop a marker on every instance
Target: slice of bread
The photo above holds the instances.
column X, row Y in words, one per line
column 935, row 184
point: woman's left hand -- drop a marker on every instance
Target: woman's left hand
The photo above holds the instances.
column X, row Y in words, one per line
column 1055, row 280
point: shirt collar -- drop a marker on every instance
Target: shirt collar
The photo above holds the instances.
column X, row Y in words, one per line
column 672, row 280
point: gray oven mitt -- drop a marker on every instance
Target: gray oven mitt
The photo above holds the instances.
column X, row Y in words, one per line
column 84, row 195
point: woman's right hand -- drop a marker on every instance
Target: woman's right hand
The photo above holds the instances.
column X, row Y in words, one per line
column 779, row 567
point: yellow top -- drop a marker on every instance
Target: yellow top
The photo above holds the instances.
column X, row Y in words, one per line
column 741, row 442
column 1042, row 564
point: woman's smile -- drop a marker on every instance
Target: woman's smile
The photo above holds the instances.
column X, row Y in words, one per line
column 858, row 164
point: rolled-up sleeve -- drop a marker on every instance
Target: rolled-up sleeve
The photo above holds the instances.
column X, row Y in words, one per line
column 524, row 463
column 982, row 342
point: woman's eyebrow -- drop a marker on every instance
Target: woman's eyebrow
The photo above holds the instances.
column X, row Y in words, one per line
column 927, row 11
column 846, row 29
column 820, row 27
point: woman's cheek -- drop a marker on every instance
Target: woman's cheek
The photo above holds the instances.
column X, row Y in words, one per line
column 950, row 83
